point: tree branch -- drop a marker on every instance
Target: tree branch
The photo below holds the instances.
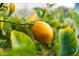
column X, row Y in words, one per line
column 15, row 23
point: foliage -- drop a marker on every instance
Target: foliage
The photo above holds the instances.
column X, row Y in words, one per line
column 16, row 37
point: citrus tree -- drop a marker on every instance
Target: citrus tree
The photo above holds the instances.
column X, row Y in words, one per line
column 46, row 32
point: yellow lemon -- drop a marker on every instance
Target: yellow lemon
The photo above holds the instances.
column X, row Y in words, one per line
column 42, row 31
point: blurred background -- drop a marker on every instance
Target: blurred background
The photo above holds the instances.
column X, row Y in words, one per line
column 26, row 9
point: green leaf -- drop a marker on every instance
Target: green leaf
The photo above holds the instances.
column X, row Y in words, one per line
column 74, row 16
column 3, row 9
column 10, row 52
column 30, row 34
column 6, row 28
column 39, row 11
column 68, row 42
column 50, row 5
column 22, row 43
column 77, row 52
column 1, row 23
column 55, row 44
column 2, row 42
column 15, row 19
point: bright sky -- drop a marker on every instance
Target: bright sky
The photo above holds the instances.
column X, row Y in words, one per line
column 67, row 4
column 31, row 5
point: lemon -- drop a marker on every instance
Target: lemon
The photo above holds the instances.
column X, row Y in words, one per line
column 42, row 31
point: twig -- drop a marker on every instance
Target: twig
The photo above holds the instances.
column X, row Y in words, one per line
column 16, row 23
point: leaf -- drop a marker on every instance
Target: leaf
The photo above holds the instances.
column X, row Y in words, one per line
column 39, row 11
column 74, row 16
column 22, row 43
column 1, row 23
column 55, row 44
column 68, row 42
column 3, row 9
column 15, row 23
column 50, row 5
column 11, row 8
column 6, row 28
column 30, row 34
column 2, row 42
column 15, row 19
column 77, row 52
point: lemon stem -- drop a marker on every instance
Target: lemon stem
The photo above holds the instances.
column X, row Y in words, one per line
column 44, row 50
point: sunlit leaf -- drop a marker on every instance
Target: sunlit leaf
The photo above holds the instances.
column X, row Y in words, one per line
column 1, row 23
column 11, row 8
column 22, row 43
column 6, row 28
column 15, row 19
